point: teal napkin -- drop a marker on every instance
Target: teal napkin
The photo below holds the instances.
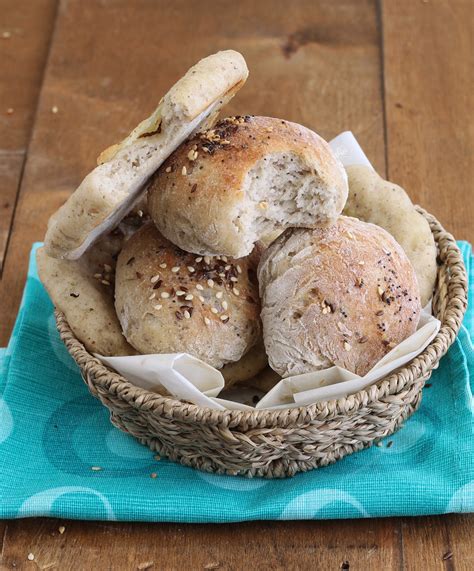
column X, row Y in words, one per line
column 60, row 456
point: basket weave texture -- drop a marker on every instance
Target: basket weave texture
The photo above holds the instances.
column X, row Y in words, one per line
column 276, row 444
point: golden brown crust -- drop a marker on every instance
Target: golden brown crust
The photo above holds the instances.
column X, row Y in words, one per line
column 343, row 295
column 170, row 301
column 194, row 195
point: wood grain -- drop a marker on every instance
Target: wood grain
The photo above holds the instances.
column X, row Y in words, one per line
column 366, row 545
column 429, row 74
column 428, row 78
column 25, row 30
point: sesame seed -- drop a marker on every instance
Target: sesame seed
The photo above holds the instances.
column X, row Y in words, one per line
column 175, row 270
column 96, row 468
column 207, row 321
column 154, row 279
column 107, row 268
column 184, row 171
column 98, row 276
column 195, row 155
column 165, row 294
column 189, row 297
column 157, row 307
column 199, row 259
column 201, row 299
column 361, row 263
column 214, row 310
column 325, row 310
column 191, row 269
column 191, row 155
column 180, row 292
column 6, row 35
column 347, row 347
column 263, row 204
column 239, row 269
column 199, row 287
column 162, row 266
column 31, row 557
column 224, row 304
column 224, row 317
column 227, row 267
column 224, row 258
column 105, row 282
column 219, row 294
column 168, row 169
column 152, row 296
column 61, row 529
column 236, row 291
column 186, row 314
column 380, row 291
column 207, row 260
column 210, row 283
column 221, row 275
column 54, row 109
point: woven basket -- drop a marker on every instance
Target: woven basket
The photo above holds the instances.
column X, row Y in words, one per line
column 276, row 444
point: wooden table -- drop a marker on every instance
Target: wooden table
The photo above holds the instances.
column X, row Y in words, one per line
column 77, row 75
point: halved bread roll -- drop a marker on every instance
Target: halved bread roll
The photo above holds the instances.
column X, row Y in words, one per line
column 106, row 194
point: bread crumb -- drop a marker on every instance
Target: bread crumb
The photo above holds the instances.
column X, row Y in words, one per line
column 145, row 565
column 96, row 468
column 184, row 171
column 31, row 557
column 207, row 321
column 347, row 347
column 168, row 169
column 54, row 109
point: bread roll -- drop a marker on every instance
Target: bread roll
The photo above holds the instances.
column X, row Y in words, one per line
column 246, row 178
column 249, row 365
column 373, row 199
column 169, row 301
column 341, row 295
column 110, row 190
column 84, row 291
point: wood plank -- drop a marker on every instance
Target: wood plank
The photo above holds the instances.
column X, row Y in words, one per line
column 439, row 542
column 365, row 544
column 315, row 65
column 25, row 30
column 429, row 63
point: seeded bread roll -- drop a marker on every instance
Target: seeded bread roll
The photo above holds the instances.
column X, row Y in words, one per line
column 248, row 177
column 107, row 193
column 169, row 301
column 341, row 295
column 373, row 199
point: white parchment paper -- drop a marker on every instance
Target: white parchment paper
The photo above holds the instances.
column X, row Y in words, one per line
column 192, row 380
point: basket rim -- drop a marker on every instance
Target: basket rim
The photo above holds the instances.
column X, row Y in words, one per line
column 421, row 366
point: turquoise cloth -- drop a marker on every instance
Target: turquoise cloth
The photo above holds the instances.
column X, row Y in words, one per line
column 52, row 432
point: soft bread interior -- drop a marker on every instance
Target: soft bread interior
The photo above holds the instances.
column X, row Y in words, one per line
column 281, row 192
column 124, row 177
